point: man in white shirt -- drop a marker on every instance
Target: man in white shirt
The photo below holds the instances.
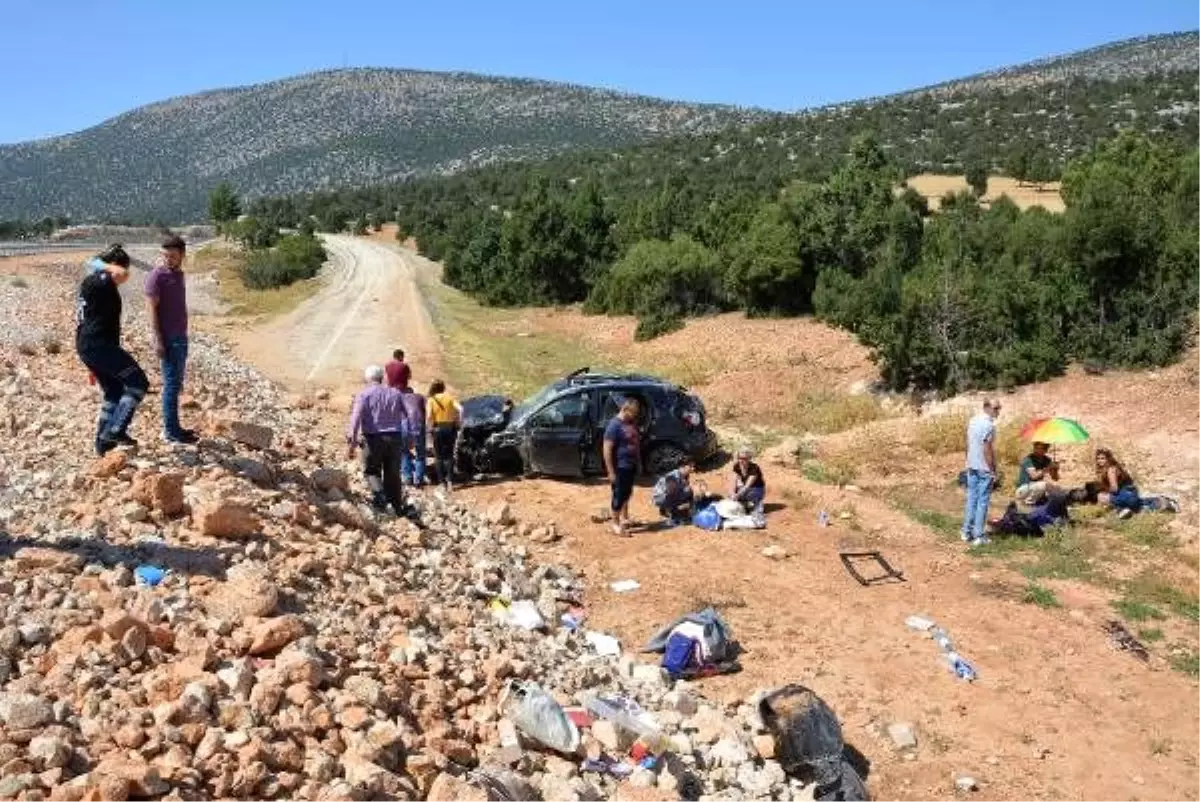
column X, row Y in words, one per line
column 981, row 472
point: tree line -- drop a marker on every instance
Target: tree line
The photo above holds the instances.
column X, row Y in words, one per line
column 273, row 258
column 974, row 296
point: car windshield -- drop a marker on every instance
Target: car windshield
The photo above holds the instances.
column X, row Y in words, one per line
column 533, row 402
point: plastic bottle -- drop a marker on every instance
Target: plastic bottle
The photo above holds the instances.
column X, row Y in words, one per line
column 942, row 638
column 823, row 519
column 624, row 714
column 961, row 668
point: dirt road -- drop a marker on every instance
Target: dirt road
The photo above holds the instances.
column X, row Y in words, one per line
column 369, row 305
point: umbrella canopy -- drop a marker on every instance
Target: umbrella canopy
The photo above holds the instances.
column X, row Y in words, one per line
column 1054, row 430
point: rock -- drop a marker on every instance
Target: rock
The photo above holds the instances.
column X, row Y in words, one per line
column 499, row 514
column 141, row 779
column 708, row 724
column 134, row 642
column 275, row 633
column 681, row 702
column 965, row 782
column 728, row 753
column 256, row 471
column 24, row 711
column 35, row 558
column 49, row 752
column 775, row 552
column 326, row 479
column 651, row 675
column 159, row 491
column 237, row 679
column 250, row 434
column 134, row 512
column 110, row 464
column 367, row 690
column 903, row 735
column 448, row 788
column 764, row 746
column 225, row 518
column 247, row 592
column 34, row 633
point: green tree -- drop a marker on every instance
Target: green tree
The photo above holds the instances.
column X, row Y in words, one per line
column 223, row 205
column 977, row 178
column 767, row 273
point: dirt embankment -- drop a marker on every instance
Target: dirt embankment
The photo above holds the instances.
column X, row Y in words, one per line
column 1056, row 711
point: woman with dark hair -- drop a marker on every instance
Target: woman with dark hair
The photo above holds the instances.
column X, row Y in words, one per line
column 98, row 343
column 444, row 413
column 1116, row 489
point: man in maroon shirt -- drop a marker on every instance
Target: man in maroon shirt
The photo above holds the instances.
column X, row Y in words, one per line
column 398, row 372
column 166, row 301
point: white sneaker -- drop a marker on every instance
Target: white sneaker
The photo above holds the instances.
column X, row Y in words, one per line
column 965, row 535
column 982, row 540
column 1125, row 513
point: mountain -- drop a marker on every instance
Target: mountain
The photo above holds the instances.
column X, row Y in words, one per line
column 365, row 127
column 337, row 128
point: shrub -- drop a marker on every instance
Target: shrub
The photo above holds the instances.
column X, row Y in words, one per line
column 296, row 257
column 656, row 325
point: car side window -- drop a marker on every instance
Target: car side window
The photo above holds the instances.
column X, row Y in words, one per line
column 612, row 404
column 570, row 412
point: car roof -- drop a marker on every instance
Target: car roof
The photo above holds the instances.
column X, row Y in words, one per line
column 588, row 378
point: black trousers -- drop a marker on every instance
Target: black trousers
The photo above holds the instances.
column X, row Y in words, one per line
column 122, row 381
column 381, row 465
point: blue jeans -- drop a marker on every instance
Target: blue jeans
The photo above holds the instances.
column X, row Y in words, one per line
column 174, row 362
column 1127, row 498
column 979, row 495
column 412, row 467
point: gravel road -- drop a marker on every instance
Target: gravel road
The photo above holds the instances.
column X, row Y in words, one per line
column 370, row 304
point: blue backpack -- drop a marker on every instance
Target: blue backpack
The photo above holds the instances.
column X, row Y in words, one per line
column 707, row 518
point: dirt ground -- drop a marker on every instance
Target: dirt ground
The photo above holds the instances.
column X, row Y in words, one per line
column 934, row 187
column 1056, row 712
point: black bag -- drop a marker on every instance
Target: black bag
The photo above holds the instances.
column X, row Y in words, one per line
column 808, row 742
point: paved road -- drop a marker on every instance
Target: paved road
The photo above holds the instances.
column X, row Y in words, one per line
column 370, row 303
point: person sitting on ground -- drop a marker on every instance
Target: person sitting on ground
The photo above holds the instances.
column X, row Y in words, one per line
column 1035, row 475
column 378, row 416
column 1116, row 489
column 1054, row 511
column 673, row 493
column 444, row 414
column 98, row 343
column 747, row 485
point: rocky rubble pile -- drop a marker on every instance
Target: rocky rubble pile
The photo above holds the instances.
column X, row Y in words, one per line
column 299, row 645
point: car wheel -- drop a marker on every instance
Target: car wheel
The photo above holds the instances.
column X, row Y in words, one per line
column 665, row 458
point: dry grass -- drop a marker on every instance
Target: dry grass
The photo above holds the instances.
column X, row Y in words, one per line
column 933, row 187
column 228, row 260
column 941, row 434
column 827, row 412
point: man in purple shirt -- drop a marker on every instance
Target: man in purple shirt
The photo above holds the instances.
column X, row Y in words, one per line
column 379, row 417
column 166, row 302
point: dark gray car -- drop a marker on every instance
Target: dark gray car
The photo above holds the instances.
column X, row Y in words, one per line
column 559, row 430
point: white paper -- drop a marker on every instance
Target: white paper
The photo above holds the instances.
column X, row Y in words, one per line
column 625, row 585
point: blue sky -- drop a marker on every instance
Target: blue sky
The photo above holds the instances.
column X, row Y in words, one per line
column 69, row 64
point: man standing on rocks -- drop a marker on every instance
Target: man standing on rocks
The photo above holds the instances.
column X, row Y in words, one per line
column 379, row 417
column 166, row 305
column 98, row 343
column 981, row 472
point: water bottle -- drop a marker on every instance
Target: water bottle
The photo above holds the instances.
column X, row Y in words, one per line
column 942, row 639
column 961, row 668
column 823, row 519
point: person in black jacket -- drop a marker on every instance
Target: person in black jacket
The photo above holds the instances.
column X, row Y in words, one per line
column 98, row 343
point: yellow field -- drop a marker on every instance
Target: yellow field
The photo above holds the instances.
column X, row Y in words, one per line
column 1025, row 195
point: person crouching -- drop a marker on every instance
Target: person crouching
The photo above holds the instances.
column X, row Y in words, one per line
column 674, row 495
column 379, row 417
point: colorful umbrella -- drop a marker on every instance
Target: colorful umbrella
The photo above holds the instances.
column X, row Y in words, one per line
column 1054, row 430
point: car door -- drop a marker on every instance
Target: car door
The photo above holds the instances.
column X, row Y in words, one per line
column 610, row 402
column 556, row 436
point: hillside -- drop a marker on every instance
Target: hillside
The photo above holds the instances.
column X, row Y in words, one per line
column 336, row 128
